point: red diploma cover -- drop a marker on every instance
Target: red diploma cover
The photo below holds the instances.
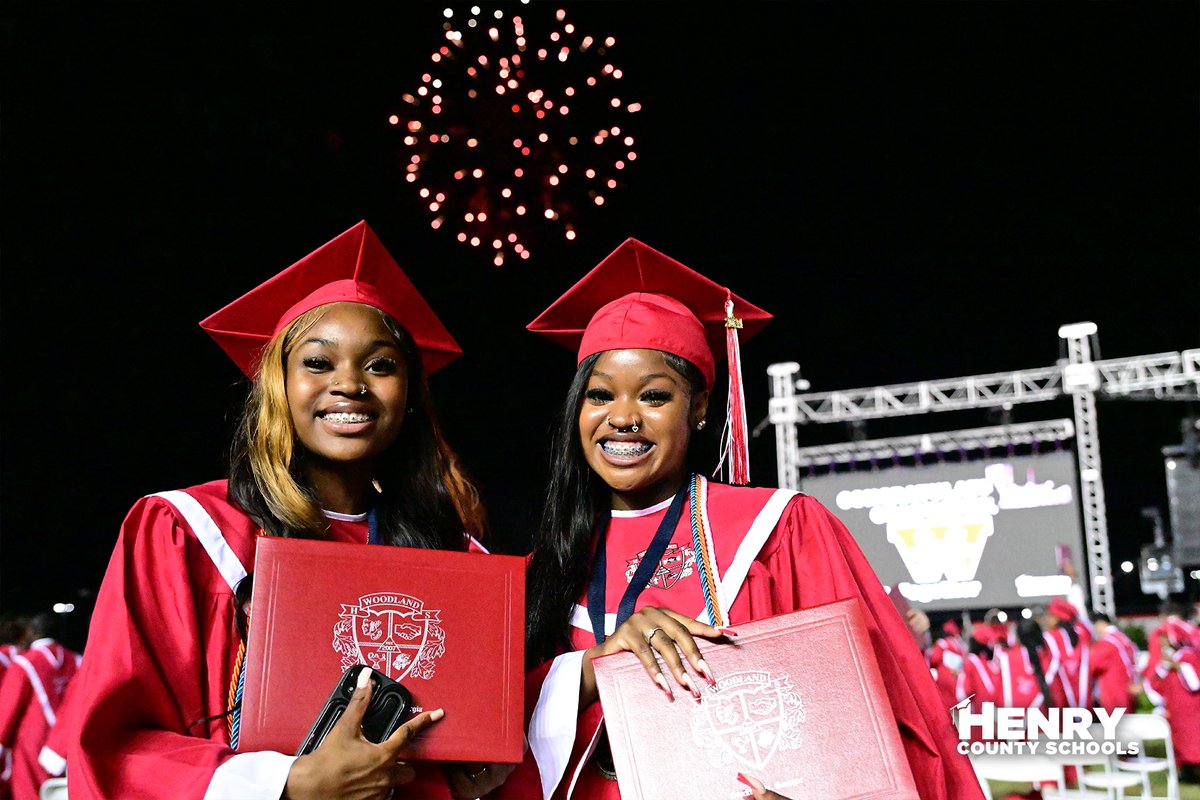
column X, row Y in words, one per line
column 449, row 626
column 799, row 704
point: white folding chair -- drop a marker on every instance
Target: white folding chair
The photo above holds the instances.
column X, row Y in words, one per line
column 1107, row 783
column 1018, row 769
column 1143, row 728
column 53, row 789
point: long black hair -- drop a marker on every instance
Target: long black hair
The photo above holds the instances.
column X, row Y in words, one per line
column 575, row 500
column 421, row 486
column 1071, row 633
column 1029, row 634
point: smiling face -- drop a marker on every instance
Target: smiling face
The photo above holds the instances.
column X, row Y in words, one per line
column 347, row 349
column 638, row 388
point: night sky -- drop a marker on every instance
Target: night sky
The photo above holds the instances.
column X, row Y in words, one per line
column 915, row 190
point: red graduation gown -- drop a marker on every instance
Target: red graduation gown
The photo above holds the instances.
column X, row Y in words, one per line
column 1016, row 682
column 1070, row 671
column 30, row 696
column 1114, row 667
column 161, row 654
column 1180, row 691
column 776, row 552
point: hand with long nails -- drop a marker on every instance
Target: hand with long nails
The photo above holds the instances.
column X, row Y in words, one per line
column 652, row 634
column 346, row 765
column 758, row 790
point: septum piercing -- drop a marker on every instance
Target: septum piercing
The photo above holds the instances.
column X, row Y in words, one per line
column 632, row 428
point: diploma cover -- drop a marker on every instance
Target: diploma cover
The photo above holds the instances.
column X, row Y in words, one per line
column 799, row 704
column 450, row 626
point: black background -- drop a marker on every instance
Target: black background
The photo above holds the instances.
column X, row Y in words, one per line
column 916, row 190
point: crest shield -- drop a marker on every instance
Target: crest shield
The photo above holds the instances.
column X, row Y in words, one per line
column 750, row 716
column 678, row 561
column 392, row 633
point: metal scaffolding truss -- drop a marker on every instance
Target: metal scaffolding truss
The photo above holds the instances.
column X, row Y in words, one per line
column 1016, row 434
column 1161, row 376
column 1165, row 376
column 1173, row 376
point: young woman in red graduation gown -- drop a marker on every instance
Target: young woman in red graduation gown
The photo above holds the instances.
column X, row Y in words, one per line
column 338, row 441
column 620, row 458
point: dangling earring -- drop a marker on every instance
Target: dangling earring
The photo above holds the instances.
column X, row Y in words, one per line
column 700, row 425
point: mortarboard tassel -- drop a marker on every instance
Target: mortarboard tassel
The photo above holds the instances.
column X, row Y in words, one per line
column 735, row 446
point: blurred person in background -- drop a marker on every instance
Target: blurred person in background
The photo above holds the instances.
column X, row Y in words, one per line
column 946, row 658
column 1173, row 672
column 977, row 681
column 1022, row 668
column 1113, row 663
column 1069, row 641
column 30, row 695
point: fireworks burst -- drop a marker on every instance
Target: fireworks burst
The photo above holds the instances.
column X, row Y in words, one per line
column 507, row 140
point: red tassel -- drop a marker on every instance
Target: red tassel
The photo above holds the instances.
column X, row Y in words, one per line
column 735, row 446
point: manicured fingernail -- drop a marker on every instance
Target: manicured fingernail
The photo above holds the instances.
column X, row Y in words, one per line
column 702, row 665
column 727, row 631
column 662, row 684
column 687, row 682
column 753, row 783
column 364, row 678
column 436, row 714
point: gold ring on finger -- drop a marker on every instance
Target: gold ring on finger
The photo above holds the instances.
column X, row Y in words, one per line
column 650, row 633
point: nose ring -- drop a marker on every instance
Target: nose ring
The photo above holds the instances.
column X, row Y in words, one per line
column 632, row 428
column 362, row 391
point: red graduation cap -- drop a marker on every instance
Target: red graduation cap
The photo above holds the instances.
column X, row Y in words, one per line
column 984, row 633
column 1062, row 610
column 1179, row 633
column 352, row 268
column 639, row 298
column 951, row 627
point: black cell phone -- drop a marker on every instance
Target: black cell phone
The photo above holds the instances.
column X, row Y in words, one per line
column 389, row 708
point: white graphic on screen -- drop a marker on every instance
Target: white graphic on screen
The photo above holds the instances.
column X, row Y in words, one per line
column 941, row 529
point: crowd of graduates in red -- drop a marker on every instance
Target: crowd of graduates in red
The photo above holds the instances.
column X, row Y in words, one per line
column 35, row 672
column 1062, row 658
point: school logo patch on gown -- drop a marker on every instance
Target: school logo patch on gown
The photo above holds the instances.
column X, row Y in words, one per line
column 748, row 717
column 392, row 633
column 678, row 561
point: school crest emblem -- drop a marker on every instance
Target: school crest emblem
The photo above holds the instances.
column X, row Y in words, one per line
column 748, row 717
column 677, row 562
column 391, row 633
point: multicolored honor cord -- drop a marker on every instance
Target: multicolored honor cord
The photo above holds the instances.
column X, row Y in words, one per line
column 701, row 545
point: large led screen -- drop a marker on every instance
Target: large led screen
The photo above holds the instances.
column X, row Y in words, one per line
column 974, row 535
